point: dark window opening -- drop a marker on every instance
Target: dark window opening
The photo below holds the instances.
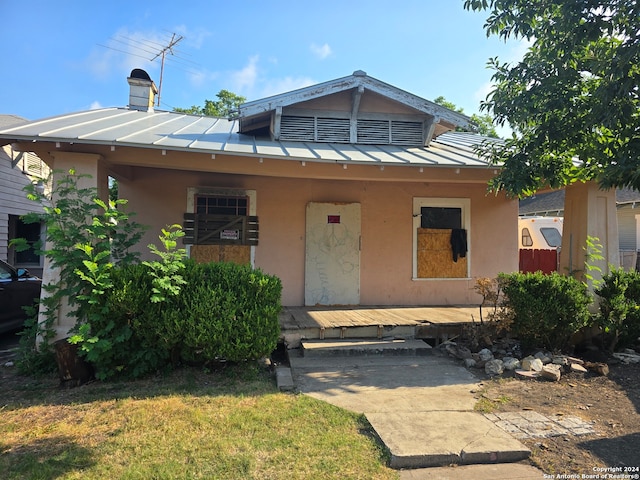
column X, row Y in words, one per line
column 213, row 205
column 441, row 217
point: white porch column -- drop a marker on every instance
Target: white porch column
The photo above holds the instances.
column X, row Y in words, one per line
column 82, row 163
column 589, row 212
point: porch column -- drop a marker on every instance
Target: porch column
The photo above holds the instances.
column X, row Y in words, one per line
column 589, row 212
column 82, row 163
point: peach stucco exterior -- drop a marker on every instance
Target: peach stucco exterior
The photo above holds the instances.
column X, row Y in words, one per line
column 282, row 192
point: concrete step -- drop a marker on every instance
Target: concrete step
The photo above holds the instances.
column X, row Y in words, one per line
column 364, row 347
column 440, row 438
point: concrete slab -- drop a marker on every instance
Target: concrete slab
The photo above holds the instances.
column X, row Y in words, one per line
column 284, row 379
column 430, row 439
column 505, row 471
column 386, row 384
column 421, row 407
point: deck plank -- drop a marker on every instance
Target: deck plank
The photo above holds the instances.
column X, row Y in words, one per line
column 337, row 317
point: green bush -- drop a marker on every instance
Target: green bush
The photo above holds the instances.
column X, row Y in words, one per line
column 546, row 309
column 619, row 308
column 224, row 311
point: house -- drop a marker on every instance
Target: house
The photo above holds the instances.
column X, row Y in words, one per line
column 352, row 191
column 17, row 170
column 628, row 218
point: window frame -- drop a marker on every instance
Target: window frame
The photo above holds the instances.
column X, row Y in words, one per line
column 464, row 204
column 194, row 192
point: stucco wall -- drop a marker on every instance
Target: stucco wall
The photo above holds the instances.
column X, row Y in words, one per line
column 159, row 198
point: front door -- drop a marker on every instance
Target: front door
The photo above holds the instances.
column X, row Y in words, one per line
column 332, row 266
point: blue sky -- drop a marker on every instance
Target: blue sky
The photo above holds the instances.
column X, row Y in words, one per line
column 65, row 56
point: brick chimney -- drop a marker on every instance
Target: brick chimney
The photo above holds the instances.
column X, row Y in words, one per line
column 142, row 91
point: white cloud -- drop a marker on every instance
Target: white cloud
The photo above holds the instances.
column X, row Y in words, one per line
column 321, row 51
column 96, row 105
column 244, row 80
column 283, row 85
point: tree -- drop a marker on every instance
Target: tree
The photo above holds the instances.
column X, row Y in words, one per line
column 484, row 123
column 226, row 105
column 573, row 100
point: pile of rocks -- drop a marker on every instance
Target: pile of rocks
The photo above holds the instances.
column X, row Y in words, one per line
column 496, row 361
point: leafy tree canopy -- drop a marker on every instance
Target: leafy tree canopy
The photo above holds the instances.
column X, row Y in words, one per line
column 226, row 105
column 573, row 101
column 484, row 123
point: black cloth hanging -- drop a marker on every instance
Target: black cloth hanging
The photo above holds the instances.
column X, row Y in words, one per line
column 458, row 243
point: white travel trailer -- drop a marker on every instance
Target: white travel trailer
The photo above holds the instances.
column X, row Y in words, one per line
column 540, row 233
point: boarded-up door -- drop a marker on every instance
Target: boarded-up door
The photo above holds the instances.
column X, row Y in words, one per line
column 332, row 266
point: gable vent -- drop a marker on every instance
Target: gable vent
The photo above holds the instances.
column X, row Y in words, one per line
column 333, row 130
column 297, row 128
column 406, row 133
column 373, row 131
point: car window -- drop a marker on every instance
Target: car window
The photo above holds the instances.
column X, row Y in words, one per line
column 5, row 273
column 552, row 236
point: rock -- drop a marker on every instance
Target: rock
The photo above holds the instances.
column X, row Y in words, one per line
column 485, row 355
column 575, row 367
column 292, row 340
column 629, row 351
column 527, row 374
column 510, row 363
column 599, row 368
column 627, row 357
column 463, row 353
column 494, row 367
column 560, row 360
column 551, row 372
column 531, row 363
column 543, row 357
column 8, row 364
column 575, row 360
column 469, row 362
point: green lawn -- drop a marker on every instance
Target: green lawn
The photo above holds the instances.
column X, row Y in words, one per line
column 230, row 424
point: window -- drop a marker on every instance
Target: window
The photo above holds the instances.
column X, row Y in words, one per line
column 552, row 236
column 221, row 217
column 527, row 241
column 219, row 205
column 441, row 242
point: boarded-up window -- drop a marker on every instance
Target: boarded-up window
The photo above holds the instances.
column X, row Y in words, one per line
column 441, row 237
column 435, row 255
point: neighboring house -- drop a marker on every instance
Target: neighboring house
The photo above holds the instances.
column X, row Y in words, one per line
column 627, row 212
column 18, row 169
column 350, row 191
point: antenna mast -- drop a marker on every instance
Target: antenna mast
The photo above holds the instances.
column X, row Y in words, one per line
column 169, row 48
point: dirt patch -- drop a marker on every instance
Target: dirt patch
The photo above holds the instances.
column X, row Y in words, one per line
column 611, row 403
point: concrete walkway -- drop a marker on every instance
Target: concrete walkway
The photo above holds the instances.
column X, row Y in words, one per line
column 420, row 405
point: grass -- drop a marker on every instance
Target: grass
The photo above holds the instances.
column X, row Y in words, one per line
column 228, row 424
column 486, row 404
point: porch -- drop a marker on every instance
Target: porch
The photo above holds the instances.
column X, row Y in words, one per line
column 431, row 323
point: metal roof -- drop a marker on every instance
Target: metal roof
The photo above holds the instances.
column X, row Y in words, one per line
column 192, row 133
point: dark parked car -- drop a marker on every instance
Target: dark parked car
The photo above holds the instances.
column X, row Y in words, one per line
column 18, row 289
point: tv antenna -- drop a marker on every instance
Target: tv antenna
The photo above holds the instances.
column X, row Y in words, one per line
column 151, row 50
column 162, row 53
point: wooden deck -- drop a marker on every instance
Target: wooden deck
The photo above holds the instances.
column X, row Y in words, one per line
column 336, row 317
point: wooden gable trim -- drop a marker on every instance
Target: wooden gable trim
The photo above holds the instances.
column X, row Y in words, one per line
column 359, row 81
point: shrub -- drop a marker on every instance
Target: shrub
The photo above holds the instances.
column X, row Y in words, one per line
column 547, row 309
column 619, row 308
column 223, row 311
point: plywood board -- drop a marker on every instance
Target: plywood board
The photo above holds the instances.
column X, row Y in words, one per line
column 240, row 254
column 435, row 256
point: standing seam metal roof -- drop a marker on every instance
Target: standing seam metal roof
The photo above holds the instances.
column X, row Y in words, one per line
column 191, row 133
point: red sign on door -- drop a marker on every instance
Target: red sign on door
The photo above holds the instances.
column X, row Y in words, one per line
column 333, row 218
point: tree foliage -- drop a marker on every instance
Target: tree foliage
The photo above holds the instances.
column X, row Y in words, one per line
column 226, row 105
column 573, row 100
column 484, row 123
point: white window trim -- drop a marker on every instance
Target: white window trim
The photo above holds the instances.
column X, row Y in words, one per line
column 192, row 192
column 464, row 204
